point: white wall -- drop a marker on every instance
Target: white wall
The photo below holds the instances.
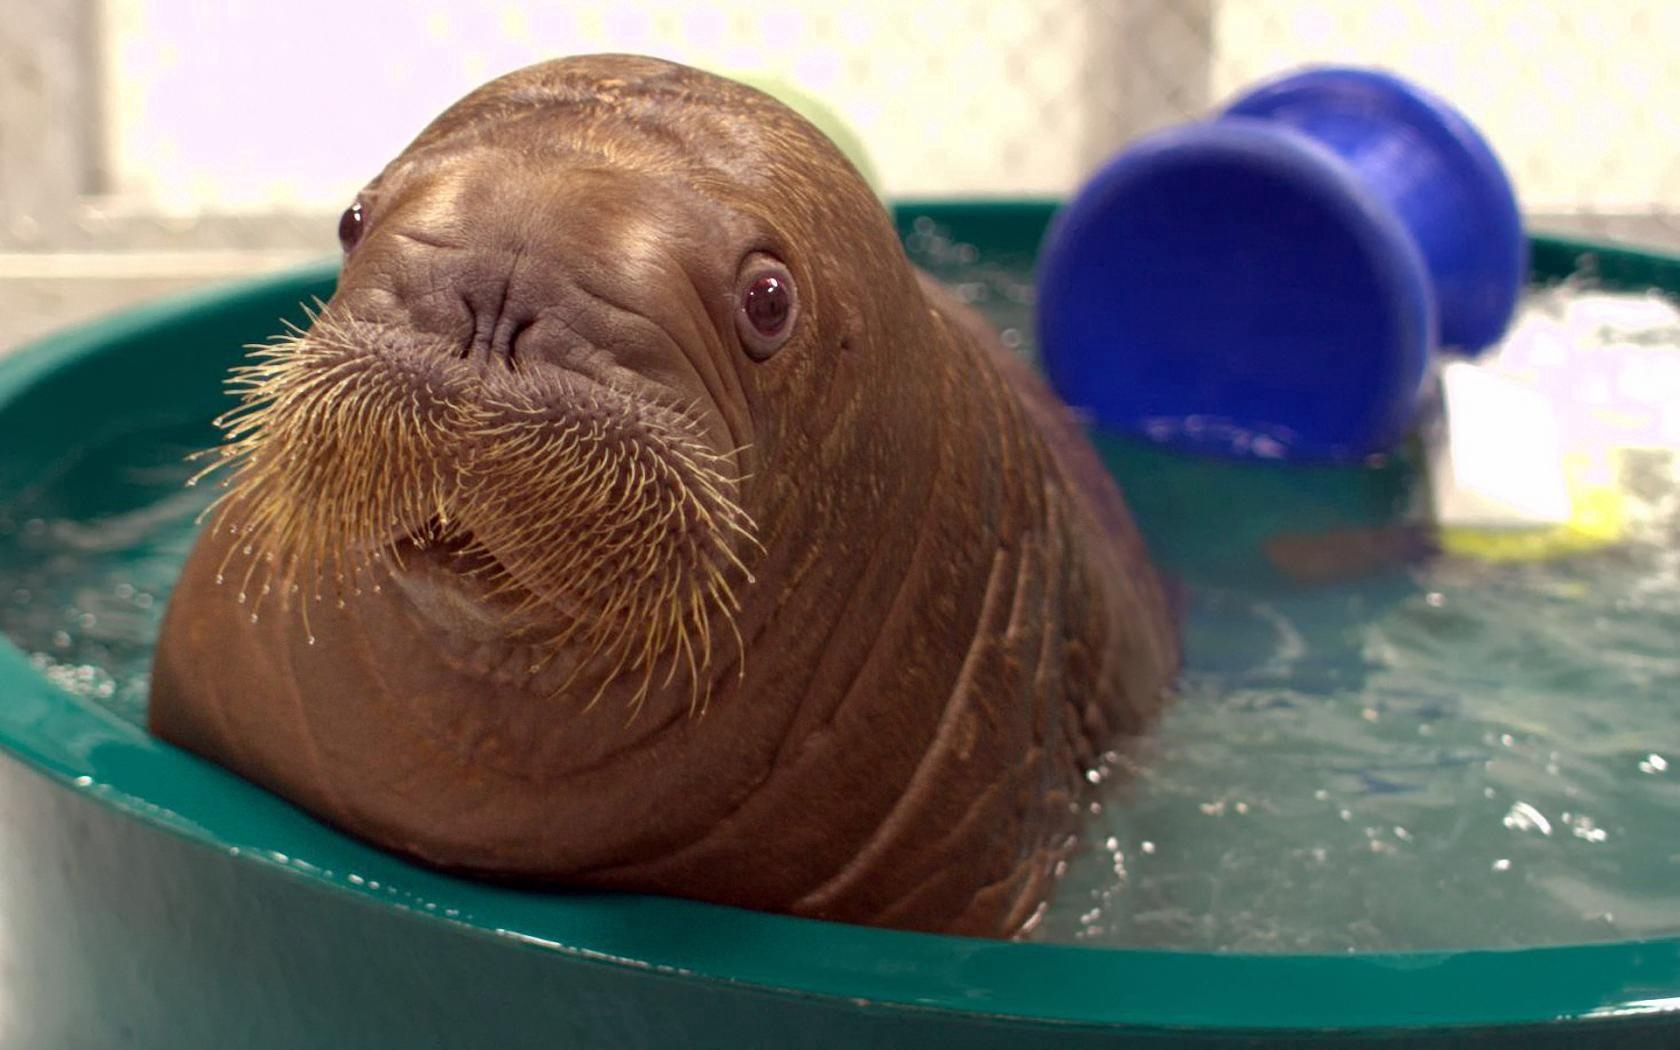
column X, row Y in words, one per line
column 253, row 106
column 1580, row 98
column 249, row 105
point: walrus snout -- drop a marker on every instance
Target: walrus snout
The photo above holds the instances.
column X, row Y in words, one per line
column 507, row 401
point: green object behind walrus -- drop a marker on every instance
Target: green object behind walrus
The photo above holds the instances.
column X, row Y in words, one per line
column 635, row 516
column 823, row 117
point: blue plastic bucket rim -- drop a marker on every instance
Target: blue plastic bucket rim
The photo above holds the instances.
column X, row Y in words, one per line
column 1313, row 171
column 1430, row 121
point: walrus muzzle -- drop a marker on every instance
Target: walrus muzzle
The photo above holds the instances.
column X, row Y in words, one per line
column 553, row 491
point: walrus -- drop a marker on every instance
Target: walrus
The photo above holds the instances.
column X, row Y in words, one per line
column 635, row 516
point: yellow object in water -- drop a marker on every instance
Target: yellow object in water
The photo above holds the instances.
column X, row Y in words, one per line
column 1597, row 519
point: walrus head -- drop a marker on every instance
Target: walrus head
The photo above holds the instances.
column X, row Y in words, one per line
column 569, row 332
column 634, row 515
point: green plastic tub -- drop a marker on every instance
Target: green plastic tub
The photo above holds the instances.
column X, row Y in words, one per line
column 149, row 899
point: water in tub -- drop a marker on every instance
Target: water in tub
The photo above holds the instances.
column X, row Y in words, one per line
column 1455, row 751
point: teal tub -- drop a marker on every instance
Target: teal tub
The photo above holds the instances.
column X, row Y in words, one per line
column 150, row 899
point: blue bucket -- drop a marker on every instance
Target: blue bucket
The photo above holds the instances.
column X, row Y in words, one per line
column 1273, row 283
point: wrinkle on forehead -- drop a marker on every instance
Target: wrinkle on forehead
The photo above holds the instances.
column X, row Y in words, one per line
column 732, row 132
column 628, row 112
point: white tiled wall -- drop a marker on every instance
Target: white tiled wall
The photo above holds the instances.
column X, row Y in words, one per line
column 1581, row 99
column 252, row 106
column 248, row 105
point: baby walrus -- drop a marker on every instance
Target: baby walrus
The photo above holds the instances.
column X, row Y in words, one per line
column 635, row 516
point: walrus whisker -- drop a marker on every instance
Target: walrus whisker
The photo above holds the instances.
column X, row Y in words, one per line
column 308, row 629
column 672, row 614
column 649, row 667
column 740, row 649
column 606, row 679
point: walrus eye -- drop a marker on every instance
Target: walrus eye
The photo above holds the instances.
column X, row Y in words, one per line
column 768, row 305
column 350, row 227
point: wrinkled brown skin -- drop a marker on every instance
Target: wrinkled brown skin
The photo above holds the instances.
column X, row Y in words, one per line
column 953, row 616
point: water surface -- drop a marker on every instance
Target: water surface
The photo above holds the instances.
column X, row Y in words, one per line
column 1448, row 753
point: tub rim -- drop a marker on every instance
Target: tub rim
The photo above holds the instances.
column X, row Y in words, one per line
column 90, row 751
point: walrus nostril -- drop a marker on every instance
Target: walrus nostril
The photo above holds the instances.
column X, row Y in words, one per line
column 507, row 327
column 518, row 332
column 496, row 322
column 472, row 329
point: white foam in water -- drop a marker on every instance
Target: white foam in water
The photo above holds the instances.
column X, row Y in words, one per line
column 1605, row 361
column 1582, row 378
